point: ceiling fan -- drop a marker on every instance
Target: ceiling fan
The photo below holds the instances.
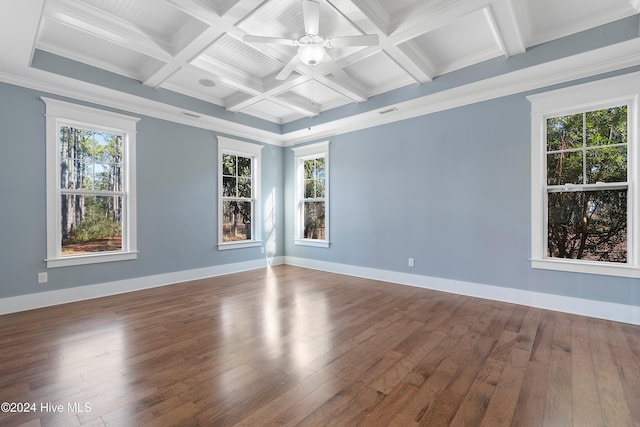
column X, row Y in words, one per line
column 311, row 46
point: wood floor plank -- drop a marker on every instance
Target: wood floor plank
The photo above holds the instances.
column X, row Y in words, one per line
column 558, row 409
column 290, row 346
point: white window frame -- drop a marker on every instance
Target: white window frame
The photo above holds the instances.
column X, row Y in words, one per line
column 307, row 152
column 253, row 151
column 60, row 113
column 622, row 90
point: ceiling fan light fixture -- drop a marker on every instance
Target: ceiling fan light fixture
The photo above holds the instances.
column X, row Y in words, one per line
column 311, row 54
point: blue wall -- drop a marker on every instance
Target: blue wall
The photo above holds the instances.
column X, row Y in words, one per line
column 177, row 193
column 451, row 190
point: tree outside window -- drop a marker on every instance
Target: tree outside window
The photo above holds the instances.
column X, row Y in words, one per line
column 587, row 185
column 238, row 194
column 91, row 201
column 312, row 194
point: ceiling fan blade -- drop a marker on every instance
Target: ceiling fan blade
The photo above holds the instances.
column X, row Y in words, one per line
column 288, row 69
column 270, row 40
column 335, row 69
column 311, row 14
column 365, row 40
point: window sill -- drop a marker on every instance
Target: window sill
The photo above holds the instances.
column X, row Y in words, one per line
column 69, row 261
column 239, row 245
column 312, row 242
column 588, row 267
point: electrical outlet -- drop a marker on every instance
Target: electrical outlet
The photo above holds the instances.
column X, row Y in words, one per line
column 262, row 249
column 411, row 262
column 43, row 277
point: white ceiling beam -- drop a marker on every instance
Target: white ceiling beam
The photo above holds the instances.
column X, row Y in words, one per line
column 98, row 23
column 413, row 60
column 371, row 18
column 345, row 89
column 191, row 50
column 218, row 26
column 297, row 105
column 495, row 30
column 275, row 88
column 506, row 27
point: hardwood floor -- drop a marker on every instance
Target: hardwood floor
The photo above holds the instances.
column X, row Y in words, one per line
column 290, row 346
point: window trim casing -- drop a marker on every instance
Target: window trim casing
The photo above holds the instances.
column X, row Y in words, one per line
column 584, row 97
column 254, row 151
column 57, row 113
column 306, row 152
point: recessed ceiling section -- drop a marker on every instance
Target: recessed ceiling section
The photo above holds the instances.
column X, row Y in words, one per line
column 388, row 75
column 451, row 48
column 190, row 82
column 395, row 7
column 236, row 54
column 316, row 95
column 80, row 46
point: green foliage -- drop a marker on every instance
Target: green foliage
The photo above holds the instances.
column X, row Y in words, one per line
column 588, row 148
column 92, row 230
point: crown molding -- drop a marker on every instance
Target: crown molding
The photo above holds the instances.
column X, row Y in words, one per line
column 608, row 59
column 56, row 84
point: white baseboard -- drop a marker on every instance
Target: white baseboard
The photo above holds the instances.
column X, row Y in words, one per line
column 584, row 307
column 598, row 309
column 80, row 293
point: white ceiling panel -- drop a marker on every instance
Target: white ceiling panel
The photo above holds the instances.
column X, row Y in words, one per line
column 317, row 93
column 552, row 19
column 379, row 73
column 176, row 44
column 198, row 84
column 82, row 47
column 243, row 57
column 451, row 49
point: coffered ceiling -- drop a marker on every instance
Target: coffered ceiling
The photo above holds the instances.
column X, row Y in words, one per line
column 196, row 47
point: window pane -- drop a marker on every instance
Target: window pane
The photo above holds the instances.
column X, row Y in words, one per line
column 588, row 225
column 236, row 223
column 229, row 186
column 228, row 165
column 565, row 168
column 244, row 187
column 320, row 173
column 309, row 189
column 244, row 166
column 564, row 132
column 90, row 160
column 607, row 164
column 314, row 226
column 320, row 189
column 91, row 224
column 309, row 168
column 607, row 126
column 76, row 174
column 74, row 143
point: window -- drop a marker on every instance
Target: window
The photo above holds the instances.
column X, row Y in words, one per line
column 238, row 194
column 312, row 194
column 584, row 186
column 91, row 206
